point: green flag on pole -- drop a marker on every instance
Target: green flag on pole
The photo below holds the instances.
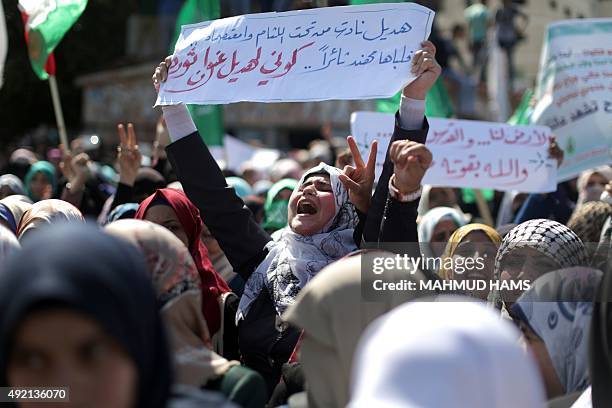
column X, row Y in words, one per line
column 207, row 118
column 437, row 102
column 46, row 23
column 522, row 114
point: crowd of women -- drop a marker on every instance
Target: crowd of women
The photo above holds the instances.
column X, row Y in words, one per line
column 201, row 288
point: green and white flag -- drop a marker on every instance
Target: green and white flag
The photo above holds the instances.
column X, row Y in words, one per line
column 207, row 118
column 46, row 22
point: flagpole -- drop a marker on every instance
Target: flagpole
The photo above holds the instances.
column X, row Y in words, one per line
column 483, row 208
column 59, row 116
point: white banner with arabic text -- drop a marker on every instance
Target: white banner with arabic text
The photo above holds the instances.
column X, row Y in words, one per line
column 469, row 153
column 351, row 52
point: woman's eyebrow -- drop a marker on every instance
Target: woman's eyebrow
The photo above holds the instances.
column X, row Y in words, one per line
column 169, row 220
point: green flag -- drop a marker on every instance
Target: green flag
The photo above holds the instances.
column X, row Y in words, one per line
column 522, row 114
column 46, row 23
column 437, row 102
column 207, row 118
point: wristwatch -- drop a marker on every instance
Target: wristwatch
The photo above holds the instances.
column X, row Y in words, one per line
column 403, row 198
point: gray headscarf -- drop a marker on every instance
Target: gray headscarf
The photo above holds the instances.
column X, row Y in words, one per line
column 558, row 308
column 294, row 259
column 8, row 245
column 13, row 183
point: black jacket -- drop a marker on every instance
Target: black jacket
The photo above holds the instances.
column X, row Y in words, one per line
column 266, row 344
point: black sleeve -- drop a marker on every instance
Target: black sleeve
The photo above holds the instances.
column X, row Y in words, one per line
column 123, row 195
column 389, row 220
column 229, row 220
column 358, row 233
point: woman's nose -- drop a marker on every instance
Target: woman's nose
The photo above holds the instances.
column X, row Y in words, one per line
column 310, row 190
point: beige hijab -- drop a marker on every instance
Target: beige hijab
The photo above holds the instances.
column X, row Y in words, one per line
column 47, row 212
column 333, row 314
column 177, row 283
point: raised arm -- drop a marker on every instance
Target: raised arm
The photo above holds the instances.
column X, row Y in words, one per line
column 388, row 219
column 225, row 215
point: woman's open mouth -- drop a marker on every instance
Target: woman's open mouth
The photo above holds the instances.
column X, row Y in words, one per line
column 306, row 207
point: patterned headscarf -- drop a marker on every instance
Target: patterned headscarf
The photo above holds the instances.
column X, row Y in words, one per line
column 294, row 259
column 47, row 212
column 189, row 217
column 177, row 283
column 550, row 238
column 588, row 220
column 458, row 237
column 170, row 264
column 558, row 308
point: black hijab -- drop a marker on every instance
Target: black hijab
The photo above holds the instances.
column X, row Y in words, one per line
column 600, row 347
column 86, row 270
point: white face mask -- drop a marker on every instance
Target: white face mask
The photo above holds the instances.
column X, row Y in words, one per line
column 592, row 193
column 606, row 197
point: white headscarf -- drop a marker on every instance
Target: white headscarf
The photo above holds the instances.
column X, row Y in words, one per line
column 294, row 259
column 431, row 219
column 558, row 308
column 454, row 353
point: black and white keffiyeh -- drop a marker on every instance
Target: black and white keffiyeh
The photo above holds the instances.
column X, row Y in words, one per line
column 550, row 238
column 294, row 259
